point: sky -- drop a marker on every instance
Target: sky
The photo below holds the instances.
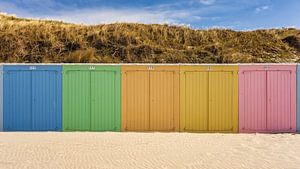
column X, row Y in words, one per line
column 197, row 14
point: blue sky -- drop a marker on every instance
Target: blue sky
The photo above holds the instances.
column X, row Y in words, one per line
column 199, row 14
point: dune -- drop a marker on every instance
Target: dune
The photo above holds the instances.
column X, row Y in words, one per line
column 46, row 41
column 148, row 150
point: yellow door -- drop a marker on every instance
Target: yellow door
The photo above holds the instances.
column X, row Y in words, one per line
column 221, row 114
column 135, row 101
column 161, row 100
column 209, row 98
column 196, row 101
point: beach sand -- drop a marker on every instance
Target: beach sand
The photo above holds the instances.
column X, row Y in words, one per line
column 148, row 150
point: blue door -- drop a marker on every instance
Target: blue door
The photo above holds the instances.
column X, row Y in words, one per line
column 46, row 99
column 1, row 97
column 32, row 98
column 17, row 100
column 298, row 98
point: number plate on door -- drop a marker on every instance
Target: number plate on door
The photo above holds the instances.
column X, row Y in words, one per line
column 150, row 67
column 32, row 67
column 92, row 68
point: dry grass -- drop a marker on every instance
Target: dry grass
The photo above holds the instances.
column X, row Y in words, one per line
column 26, row 40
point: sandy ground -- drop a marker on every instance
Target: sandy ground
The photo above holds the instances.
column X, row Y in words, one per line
column 148, row 150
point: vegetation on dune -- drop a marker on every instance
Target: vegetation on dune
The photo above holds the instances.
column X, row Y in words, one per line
column 36, row 41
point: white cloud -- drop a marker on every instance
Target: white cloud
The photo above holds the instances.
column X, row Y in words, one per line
column 12, row 9
column 207, row 2
column 148, row 15
column 261, row 8
column 172, row 14
column 106, row 15
column 110, row 15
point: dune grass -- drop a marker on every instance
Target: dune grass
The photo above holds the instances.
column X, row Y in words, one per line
column 38, row 41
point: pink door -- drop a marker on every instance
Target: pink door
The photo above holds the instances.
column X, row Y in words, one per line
column 252, row 99
column 280, row 91
column 267, row 98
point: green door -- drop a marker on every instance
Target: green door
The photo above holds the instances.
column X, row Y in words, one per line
column 105, row 107
column 91, row 98
column 76, row 100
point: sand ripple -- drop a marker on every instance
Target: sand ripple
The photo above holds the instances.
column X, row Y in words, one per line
column 148, row 150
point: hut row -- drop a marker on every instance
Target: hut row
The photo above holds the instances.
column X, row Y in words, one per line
column 241, row 98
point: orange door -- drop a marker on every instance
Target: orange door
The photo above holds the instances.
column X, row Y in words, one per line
column 135, row 101
column 150, row 98
column 161, row 101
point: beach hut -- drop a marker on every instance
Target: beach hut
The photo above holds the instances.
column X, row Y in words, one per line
column 209, row 98
column 150, row 97
column 267, row 98
column 91, row 97
column 32, row 97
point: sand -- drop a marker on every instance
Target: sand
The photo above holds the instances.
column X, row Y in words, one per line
column 148, row 150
